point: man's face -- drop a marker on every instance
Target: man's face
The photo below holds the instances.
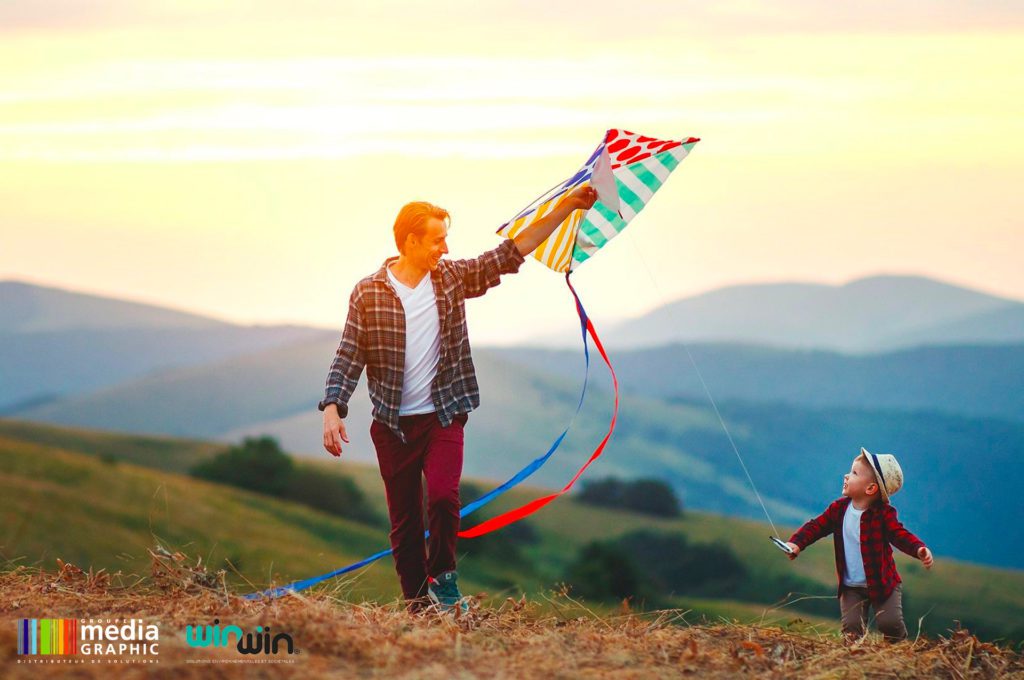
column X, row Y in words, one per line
column 426, row 251
column 859, row 483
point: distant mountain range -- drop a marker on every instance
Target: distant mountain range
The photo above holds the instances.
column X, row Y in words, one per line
column 55, row 343
column 979, row 381
column 875, row 314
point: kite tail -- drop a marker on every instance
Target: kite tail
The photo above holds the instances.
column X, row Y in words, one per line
column 533, row 506
column 468, row 508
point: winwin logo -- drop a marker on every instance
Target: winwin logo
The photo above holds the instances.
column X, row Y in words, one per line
column 260, row 642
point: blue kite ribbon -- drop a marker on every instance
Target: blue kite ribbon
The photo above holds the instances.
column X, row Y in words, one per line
column 516, row 479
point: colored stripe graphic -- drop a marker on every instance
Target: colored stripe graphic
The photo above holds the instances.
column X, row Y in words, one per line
column 47, row 636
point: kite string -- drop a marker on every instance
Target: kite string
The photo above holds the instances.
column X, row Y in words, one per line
column 714, row 404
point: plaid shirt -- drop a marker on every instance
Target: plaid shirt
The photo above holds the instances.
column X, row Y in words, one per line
column 879, row 527
column 374, row 337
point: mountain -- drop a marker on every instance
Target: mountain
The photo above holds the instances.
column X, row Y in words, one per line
column 866, row 315
column 55, row 342
column 28, row 308
column 796, row 455
column 981, row 381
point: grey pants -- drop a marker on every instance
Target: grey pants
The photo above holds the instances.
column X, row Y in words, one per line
column 854, row 603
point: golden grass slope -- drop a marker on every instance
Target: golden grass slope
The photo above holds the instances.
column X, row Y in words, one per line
column 513, row 639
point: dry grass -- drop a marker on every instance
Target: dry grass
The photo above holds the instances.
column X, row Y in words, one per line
column 557, row 638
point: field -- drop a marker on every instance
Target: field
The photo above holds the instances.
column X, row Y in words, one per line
column 103, row 501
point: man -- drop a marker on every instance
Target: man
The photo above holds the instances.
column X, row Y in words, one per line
column 407, row 325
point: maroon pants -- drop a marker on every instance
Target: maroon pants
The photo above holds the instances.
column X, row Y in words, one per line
column 436, row 453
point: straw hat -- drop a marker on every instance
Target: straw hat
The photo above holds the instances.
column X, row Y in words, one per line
column 887, row 471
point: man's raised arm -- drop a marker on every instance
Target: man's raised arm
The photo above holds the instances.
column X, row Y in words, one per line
column 528, row 239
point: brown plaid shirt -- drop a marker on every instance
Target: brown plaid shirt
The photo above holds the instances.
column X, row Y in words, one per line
column 880, row 529
column 374, row 337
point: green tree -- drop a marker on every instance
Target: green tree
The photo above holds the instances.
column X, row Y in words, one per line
column 602, row 571
column 647, row 496
column 258, row 464
column 331, row 493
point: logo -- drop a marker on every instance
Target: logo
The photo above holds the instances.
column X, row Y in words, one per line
column 47, row 636
column 87, row 637
column 262, row 641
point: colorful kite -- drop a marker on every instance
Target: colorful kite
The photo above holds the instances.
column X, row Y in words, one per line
column 626, row 169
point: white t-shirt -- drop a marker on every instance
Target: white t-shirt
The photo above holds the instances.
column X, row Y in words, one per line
column 854, row 575
column 422, row 344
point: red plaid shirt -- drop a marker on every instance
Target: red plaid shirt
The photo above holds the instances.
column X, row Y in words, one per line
column 374, row 337
column 880, row 529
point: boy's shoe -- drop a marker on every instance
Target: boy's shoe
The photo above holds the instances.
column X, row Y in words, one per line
column 443, row 591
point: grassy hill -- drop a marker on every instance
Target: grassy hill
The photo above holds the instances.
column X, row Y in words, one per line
column 510, row 639
column 93, row 503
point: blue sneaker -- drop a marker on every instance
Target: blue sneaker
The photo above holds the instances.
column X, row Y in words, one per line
column 443, row 591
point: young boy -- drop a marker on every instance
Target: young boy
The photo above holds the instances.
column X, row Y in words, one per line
column 864, row 525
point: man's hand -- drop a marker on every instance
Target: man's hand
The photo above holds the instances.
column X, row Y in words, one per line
column 925, row 555
column 528, row 239
column 795, row 548
column 583, row 198
column 334, row 430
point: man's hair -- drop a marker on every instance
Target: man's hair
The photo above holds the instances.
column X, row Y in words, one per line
column 412, row 218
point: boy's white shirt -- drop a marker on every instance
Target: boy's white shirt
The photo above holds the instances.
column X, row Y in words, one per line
column 422, row 344
column 854, row 575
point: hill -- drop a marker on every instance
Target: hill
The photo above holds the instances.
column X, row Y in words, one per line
column 514, row 639
column 866, row 315
column 122, row 509
column 55, row 342
column 796, row 452
column 966, row 380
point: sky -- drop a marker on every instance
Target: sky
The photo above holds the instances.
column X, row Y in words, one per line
column 247, row 162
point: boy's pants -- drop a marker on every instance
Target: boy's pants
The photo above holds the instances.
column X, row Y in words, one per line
column 436, row 453
column 854, row 602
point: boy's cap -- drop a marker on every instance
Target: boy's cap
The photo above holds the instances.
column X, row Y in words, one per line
column 887, row 471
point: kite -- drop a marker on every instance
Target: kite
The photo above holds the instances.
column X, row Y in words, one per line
column 626, row 169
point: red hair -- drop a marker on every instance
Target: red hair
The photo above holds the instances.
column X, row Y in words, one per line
column 412, row 218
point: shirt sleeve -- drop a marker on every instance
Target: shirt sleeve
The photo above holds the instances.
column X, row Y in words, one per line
column 817, row 528
column 898, row 534
column 349, row 360
column 482, row 273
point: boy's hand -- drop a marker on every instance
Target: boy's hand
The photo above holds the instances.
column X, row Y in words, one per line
column 795, row 548
column 925, row 555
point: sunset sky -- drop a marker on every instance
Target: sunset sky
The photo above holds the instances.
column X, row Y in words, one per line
column 247, row 163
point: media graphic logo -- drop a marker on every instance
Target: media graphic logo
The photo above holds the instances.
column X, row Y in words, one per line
column 262, row 641
column 87, row 637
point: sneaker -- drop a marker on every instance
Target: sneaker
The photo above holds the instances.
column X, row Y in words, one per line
column 443, row 591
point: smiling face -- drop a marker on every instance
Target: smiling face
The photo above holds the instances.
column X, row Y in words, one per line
column 427, row 249
column 859, row 483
